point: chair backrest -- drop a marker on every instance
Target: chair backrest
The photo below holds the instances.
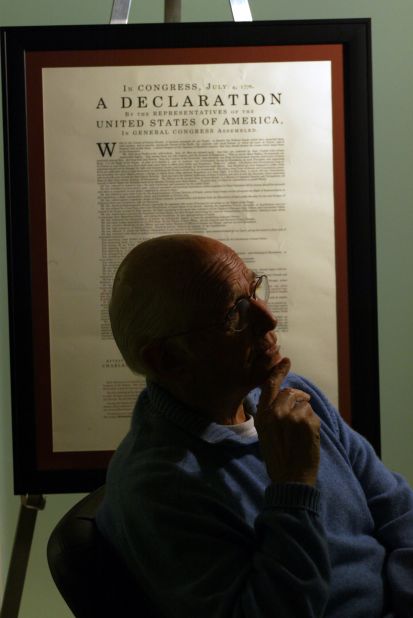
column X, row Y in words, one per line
column 92, row 579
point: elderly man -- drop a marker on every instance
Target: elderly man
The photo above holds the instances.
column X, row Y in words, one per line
column 217, row 498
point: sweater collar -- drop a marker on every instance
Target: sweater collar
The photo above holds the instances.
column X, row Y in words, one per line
column 169, row 408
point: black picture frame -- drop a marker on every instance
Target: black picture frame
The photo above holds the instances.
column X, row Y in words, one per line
column 359, row 342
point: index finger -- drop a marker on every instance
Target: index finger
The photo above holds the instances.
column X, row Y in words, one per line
column 272, row 385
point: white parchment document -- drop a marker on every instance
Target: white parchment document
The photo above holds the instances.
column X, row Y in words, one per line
column 239, row 152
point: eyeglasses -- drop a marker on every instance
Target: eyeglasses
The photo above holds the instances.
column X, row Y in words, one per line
column 237, row 318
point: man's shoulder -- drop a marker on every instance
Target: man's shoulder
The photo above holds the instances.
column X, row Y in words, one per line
column 154, row 452
column 295, row 380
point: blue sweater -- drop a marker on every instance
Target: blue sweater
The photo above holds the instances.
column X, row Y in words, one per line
column 190, row 507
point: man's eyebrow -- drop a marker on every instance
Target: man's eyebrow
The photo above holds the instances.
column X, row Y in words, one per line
column 250, row 276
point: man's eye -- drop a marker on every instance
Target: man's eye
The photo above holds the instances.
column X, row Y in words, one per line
column 232, row 315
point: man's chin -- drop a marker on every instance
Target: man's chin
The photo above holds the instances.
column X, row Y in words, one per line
column 264, row 370
column 270, row 358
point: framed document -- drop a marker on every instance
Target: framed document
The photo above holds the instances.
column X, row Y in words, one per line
column 257, row 134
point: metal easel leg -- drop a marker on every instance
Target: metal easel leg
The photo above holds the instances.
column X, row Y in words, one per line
column 172, row 11
column 240, row 10
column 30, row 506
column 120, row 11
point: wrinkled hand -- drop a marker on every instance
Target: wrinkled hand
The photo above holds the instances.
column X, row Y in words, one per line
column 288, row 430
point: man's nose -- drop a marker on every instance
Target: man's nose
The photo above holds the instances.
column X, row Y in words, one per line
column 261, row 316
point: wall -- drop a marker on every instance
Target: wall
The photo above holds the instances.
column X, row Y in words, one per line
column 393, row 102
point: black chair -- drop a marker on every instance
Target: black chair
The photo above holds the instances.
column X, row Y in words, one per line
column 92, row 579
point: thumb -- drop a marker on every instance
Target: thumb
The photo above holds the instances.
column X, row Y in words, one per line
column 272, row 385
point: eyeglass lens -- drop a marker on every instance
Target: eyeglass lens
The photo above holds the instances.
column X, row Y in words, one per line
column 262, row 290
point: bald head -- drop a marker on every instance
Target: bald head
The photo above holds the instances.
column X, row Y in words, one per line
column 158, row 287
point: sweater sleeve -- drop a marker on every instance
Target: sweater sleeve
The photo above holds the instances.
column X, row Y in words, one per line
column 198, row 558
column 390, row 500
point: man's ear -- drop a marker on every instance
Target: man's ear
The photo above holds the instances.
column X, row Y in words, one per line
column 164, row 359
